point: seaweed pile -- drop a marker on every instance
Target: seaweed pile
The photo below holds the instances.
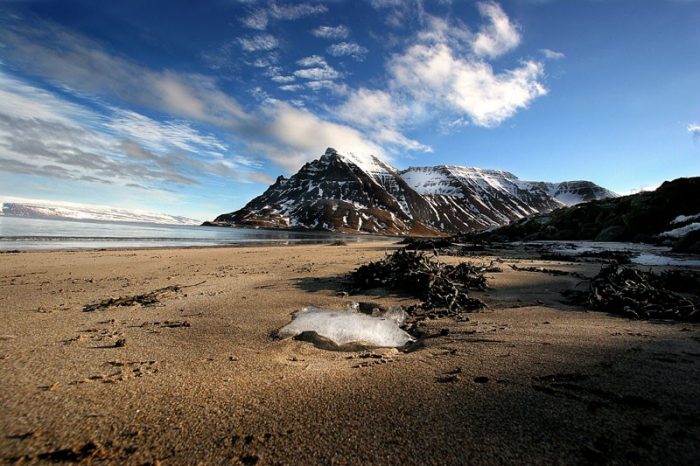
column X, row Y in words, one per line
column 643, row 295
column 440, row 287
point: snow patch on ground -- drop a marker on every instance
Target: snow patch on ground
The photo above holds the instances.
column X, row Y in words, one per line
column 653, row 259
column 345, row 328
column 682, row 231
column 684, row 218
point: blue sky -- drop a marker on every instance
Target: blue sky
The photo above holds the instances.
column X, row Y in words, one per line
column 192, row 108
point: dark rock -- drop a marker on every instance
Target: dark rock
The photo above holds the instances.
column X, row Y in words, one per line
column 611, row 233
column 689, row 243
column 639, row 217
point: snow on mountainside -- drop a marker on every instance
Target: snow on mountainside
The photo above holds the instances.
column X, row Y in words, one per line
column 475, row 197
column 346, row 192
column 35, row 208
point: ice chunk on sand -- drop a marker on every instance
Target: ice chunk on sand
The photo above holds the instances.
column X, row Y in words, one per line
column 345, row 329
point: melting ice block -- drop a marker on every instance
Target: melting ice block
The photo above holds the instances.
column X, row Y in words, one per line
column 346, row 328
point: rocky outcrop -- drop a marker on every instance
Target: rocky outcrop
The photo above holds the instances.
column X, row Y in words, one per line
column 643, row 217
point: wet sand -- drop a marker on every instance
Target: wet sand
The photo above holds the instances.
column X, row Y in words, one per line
column 198, row 378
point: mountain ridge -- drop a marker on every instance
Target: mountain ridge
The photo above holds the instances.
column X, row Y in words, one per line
column 346, row 192
column 37, row 208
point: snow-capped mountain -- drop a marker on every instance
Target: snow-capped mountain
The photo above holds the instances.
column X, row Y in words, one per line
column 338, row 193
column 346, row 192
column 35, row 208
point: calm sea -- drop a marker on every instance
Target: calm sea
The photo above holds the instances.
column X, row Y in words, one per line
column 34, row 234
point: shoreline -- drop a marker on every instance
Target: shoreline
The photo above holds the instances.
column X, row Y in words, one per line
column 251, row 244
column 198, row 377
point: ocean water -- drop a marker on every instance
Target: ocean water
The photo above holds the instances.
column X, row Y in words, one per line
column 39, row 234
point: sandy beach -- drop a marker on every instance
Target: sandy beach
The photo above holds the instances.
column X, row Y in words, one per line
column 198, row 377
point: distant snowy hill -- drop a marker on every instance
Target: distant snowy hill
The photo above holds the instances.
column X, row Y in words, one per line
column 35, row 208
column 345, row 192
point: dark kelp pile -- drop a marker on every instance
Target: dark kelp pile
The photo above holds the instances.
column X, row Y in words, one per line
column 439, row 286
column 643, row 295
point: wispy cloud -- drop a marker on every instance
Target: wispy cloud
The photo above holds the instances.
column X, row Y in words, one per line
column 331, row 32
column 283, row 79
column 81, row 64
column 62, row 57
column 498, row 36
column 257, row 19
column 43, row 134
column 312, row 60
column 258, row 42
column 296, row 133
column 315, row 68
column 694, row 129
column 294, row 11
column 161, row 136
column 552, row 54
column 352, row 49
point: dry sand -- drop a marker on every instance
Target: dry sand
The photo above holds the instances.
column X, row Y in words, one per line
column 199, row 379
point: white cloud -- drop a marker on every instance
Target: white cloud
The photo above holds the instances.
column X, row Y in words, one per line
column 369, row 108
column 331, row 32
column 256, row 20
column 294, row 11
column 259, row 18
column 694, row 129
column 23, row 101
column 434, row 74
column 379, row 114
column 298, row 136
column 259, row 42
column 318, row 73
column 400, row 13
column 394, row 137
column 161, row 137
column 552, row 54
column 348, row 49
column 312, row 60
column 327, row 84
column 378, row 4
column 264, row 62
column 315, row 68
column 283, row 79
column 499, row 36
column 434, row 79
column 260, row 94
column 291, row 87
